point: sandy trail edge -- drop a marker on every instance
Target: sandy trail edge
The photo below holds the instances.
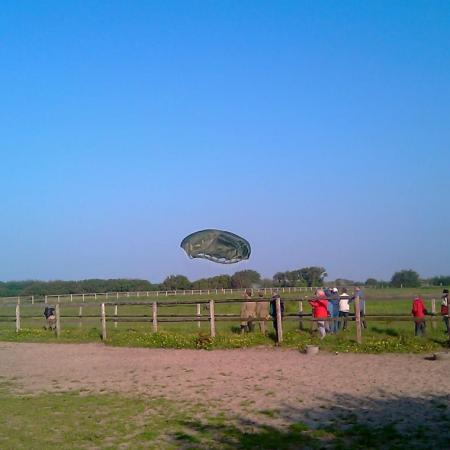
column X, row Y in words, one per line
column 377, row 388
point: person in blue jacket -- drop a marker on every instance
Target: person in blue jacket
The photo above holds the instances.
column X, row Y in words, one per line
column 333, row 302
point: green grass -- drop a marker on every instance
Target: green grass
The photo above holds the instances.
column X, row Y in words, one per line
column 75, row 420
column 382, row 336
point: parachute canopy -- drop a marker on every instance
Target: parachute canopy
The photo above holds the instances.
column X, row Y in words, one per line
column 219, row 246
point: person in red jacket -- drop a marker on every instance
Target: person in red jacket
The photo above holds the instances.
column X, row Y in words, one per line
column 319, row 306
column 419, row 311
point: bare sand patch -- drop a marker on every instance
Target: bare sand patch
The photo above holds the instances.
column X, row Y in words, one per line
column 378, row 389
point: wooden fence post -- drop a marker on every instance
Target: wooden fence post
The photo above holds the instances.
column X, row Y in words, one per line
column 45, row 300
column 279, row 322
column 155, row 317
column 18, row 317
column 212, row 319
column 358, row 320
column 199, row 313
column 32, row 299
column 115, row 315
column 103, row 322
column 80, row 315
column 58, row 320
column 83, row 297
column 300, row 311
column 433, row 311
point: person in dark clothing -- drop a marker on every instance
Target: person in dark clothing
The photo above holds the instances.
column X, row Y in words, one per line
column 273, row 311
column 444, row 309
column 333, row 307
column 50, row 317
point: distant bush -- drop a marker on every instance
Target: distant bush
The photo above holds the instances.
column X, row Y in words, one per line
column 405, row 278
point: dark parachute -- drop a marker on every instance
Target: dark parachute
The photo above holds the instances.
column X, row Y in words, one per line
column 216, row 245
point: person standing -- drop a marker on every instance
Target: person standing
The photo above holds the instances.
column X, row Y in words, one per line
column 319, row 306
column 50, row 317
column 444, row 309
column 344, row 308
column 328, row 292
column 334, row 310
column 419, row 311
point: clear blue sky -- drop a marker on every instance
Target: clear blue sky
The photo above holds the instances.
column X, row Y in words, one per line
column 318, row 130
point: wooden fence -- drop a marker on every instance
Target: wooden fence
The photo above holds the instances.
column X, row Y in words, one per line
column 111, row 296
column 155, row 318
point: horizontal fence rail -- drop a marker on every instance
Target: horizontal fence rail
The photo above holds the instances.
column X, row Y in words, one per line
column 154, row 316
column 110, row 296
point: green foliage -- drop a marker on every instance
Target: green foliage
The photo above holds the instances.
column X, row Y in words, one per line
column 371, row 282
column 307, row 276
column 218, row 282
column 14, row 288
column 405, row 278
column 342, row 282
column 204, row 341
column 441, row 280
column 176, row 282
column 245, row 278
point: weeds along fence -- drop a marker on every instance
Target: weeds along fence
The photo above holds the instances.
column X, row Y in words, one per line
column 205, row 311
column 111, row 296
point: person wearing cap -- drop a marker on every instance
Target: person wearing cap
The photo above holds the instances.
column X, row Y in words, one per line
column 344, row 308
column 419, row 311
column 444, row 309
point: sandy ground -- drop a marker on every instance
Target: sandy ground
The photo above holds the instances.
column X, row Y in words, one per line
column 379, row 389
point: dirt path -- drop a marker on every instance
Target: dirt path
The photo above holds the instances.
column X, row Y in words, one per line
column 377, row 388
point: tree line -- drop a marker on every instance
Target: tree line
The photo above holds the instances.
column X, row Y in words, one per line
column 304, row 277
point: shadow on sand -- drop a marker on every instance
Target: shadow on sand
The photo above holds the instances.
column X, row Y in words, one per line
column 384, row 423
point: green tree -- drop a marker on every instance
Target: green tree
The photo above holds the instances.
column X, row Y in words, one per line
column 245, row 278
column 405, row 278
column 307, row 276
column 217, row 282
column 176, row 282
column 441, row 280
column 371, row 282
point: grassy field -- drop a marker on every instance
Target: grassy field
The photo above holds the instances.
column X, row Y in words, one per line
column 80, row 420
column 381, row 336
column 83, row 420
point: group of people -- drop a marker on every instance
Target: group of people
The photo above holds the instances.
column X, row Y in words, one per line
column 330, row 304
column 419, row 311
column 326, row 304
